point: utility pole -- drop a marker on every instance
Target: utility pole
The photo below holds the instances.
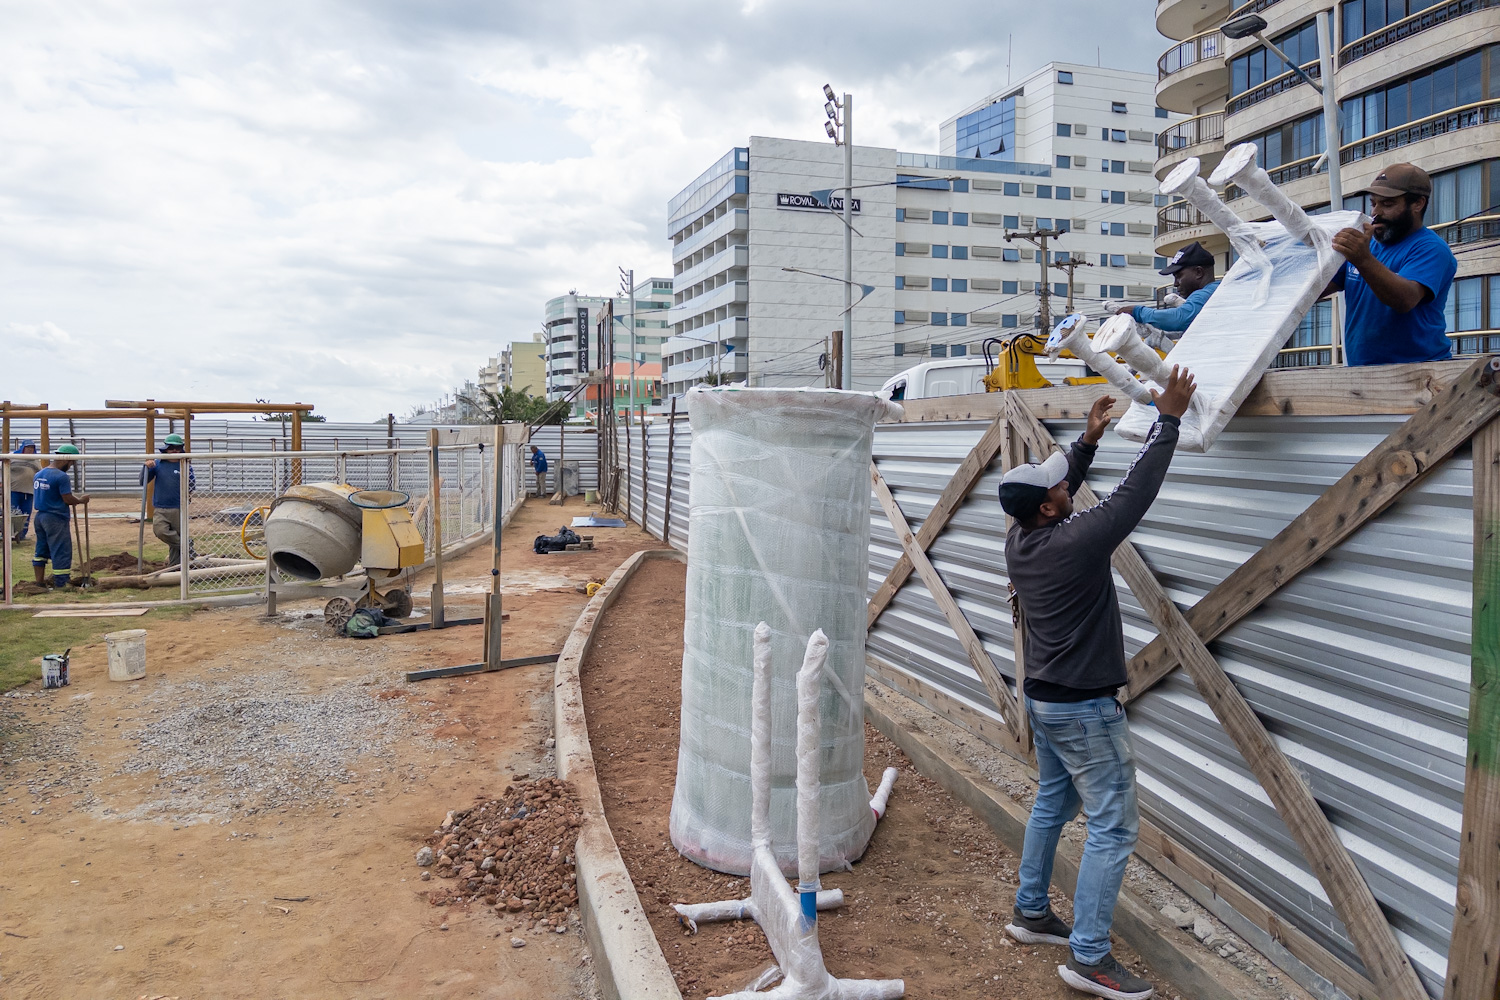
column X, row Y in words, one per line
column 832, row 126
column 1039, row 238
column 836, row 361
column 627, row 280
column 1070, row 266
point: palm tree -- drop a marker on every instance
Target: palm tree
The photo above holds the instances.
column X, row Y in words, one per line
column 512, row 405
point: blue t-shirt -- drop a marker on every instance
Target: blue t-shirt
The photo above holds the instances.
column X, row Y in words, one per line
column 168, row 475
column 1376, row 334
column 539, row 461
column 50, row 485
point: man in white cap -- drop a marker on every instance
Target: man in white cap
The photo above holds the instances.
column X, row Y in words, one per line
column 1059, row 564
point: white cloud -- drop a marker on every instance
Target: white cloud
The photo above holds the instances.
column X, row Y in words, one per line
column 356, row 204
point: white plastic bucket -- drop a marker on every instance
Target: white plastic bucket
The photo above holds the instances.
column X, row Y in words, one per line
column 127, row 654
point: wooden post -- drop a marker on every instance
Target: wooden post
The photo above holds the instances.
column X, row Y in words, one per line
column 187, row 431
column 46, row 445
column 436, row 506
column 1330, row 862
column 5, row 446
column 297, row 446
column 1014, row 454
column 645, row 478
column 184, row 554
column 1474, row 951
column 666, row 506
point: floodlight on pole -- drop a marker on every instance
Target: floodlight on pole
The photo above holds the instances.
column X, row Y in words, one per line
column 832, row 132
column 828, row 93
column 832, row 127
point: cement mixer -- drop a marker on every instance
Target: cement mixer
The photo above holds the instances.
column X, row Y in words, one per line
column 321, row 531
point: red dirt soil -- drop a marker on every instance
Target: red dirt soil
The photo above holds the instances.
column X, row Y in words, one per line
column 927, row 903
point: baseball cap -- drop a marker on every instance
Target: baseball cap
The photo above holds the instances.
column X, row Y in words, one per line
column 1192, row 255
column 1024, row 488
column 1400, row 178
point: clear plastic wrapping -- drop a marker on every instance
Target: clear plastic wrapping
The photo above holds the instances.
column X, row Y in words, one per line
column 779, row 531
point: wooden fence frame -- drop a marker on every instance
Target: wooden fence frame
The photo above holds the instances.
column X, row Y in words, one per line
column 1451, row 404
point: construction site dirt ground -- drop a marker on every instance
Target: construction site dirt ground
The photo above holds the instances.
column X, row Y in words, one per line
column 243, row 822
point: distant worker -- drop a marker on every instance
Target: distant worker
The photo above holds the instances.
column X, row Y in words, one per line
column 166, row 522
column 1395, row 288
column 22, row 472
column 1059, row 563
column 54, row 495
column 1192, row 269
column 539, row 465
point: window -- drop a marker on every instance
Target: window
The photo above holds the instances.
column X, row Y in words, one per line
column 961, row 185
column 1116, row 260
column 1008, row 288
column 1116, row 135
column 958, row 350
column 900, row 348
column 1061, row 257
column 1064, row 193
column 1013, row 188
column 939, row 218
column 900, row 281
column 1012, row 222
column 1063, row 225
column 1117, row 229
column 1064, row 162
column 1161, row 112
column 1117, row 197
column 939, row 284
column 1112, row 166
column 1104, row 262
column 1065, row 131
column 939, row 319
column 1253, row 68
column 958, row 319
column 1117, row 291
column 1434, row 90
column 1457, row 194
column 1060, row 289
column 900, row 215
column 1044, row 190
column 989, row 133
column 1159, row 262
column 1365, row 17
column 960, row 253
column 940, row 250
column 960, row 284
column 1010, row 321
column 1013, row 256
column 900, row 249
column 1463, row 309
column 900, row 318
column 1118, row 107
column 960, row 218
column 1043, row 223
column 1063, row 76
column 1160, row 200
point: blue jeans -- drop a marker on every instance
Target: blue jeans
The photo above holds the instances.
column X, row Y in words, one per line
column 21, row 503
column 1084, row 758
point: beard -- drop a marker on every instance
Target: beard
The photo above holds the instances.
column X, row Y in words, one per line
column 1396, row 229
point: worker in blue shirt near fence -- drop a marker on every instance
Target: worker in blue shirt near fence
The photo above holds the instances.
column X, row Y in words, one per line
column 166, row 520
column 1395, row 288
column 53, row 496
column 539, row 466
column 1192, row 271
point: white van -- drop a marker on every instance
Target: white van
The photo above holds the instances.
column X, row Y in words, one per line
column 963, row 376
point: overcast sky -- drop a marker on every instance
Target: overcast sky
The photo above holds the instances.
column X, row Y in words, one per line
column 356, row 204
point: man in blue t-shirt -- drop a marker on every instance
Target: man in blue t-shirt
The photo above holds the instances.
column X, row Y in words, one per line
column 1396, row 287
column 539, row 466
column 54, row 495
column 166, row 520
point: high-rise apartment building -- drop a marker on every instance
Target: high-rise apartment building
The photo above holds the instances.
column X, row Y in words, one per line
column 565, row 315
column 1415, row 81
column 759, row 258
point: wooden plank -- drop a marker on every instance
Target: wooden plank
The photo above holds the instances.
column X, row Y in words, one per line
column 978, row 656
column 1399, row 462
column 968, row 473
column 1474, row 953
column 1330, row 861
column 211, row 407
column 1014, row 454
column 1323, row 391
column 90, row 612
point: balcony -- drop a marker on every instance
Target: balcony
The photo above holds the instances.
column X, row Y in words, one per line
column 1276, row 85
column 734, row 221
column 735, row 362
column 1408, row 26
column 1467, row 232
column 1443, row 123
column 1192, row 73
column 734, row 328
column 1202, row 137
column 726, row 294
column 729, row 257
column 1179, row 224
column 1180, row 18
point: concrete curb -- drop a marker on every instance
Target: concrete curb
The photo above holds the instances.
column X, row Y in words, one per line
column 628, row 960
column 1200, row 975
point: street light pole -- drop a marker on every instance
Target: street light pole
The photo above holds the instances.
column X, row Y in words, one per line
column 848, row 366
column 1332, row 141
column 627, row 278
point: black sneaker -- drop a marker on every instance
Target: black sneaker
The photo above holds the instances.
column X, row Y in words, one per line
column 1107, row 979
column 1046, row 929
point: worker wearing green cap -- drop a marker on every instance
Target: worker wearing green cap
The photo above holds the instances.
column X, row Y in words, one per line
column 166, row 523
column 54, row 495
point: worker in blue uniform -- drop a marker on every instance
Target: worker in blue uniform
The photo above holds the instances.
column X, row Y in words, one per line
column 1192, row 271
column 166, row 519
column 53, row 496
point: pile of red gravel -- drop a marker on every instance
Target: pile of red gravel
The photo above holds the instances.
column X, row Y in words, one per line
column 514, row 853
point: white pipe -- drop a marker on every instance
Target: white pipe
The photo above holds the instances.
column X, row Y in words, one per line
column 760, row 740
column 882, row 794
column 809, row 827
column 1122, row 335
column 1239, row 167
column 1069, row 334
column 693, row 914
column 1184, row 181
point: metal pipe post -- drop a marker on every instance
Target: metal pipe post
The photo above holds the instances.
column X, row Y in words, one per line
column 185, row 553
column 848, row 242
column 630, row 280
column 436, row 508
column 10, row 580
column 1332, row 141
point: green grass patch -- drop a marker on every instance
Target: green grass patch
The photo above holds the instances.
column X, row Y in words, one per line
column 26, row 639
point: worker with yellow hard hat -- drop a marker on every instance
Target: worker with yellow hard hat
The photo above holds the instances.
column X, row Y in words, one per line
column 53, row 496
column 166, row 522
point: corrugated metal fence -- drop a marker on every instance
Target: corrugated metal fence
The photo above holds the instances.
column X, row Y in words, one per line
column 1359, row 667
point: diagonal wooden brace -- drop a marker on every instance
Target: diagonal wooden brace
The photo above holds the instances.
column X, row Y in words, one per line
column 1385, row 962
column 1399, row 462
column 979, row 658
column 964, row 478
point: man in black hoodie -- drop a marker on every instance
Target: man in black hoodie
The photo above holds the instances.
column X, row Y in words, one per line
column 1059, row 563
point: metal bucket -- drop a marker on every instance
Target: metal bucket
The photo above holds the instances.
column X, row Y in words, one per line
column 55, row 670
column 127, row 654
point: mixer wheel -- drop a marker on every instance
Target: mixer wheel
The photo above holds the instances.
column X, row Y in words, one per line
column 337, row 612
column 396, row 603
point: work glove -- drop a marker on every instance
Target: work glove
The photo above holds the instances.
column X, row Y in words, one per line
column 1157, row 340
column 1111, row 306
column 1172, row 300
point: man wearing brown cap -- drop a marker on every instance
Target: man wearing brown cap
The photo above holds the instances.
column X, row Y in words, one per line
column 1395, row 288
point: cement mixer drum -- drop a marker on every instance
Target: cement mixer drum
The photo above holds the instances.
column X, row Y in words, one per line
column 313, row 531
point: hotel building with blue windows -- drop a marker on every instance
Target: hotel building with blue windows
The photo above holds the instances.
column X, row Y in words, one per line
column 1069, row 148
